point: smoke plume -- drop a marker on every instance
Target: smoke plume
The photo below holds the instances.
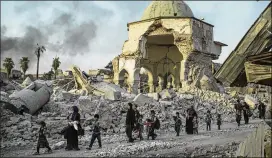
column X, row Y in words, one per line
column 76, row 38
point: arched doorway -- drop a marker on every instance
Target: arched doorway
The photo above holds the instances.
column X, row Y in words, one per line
column 123, row 79
column 145, row 78
column 168, row 81
column 160, row 82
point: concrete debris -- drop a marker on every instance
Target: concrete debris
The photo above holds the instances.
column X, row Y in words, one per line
column 31, row 99
column 252, row 102
column 26, row 82
column 141, row 99
column 167, row 94
column 4, row 96
column 155, row 96
column 59, row 145
column 55, row 103
column 111, row 91
column 112, row 95
column 206, row 84
column 186, row 96
column 47, row 84
column 64, row 96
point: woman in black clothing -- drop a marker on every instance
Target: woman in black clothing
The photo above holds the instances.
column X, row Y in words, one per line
column 72, row 130
column 130, row 122
column 191, row 113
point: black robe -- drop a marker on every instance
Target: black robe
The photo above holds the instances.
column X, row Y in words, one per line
column 72, row 134
column 130, row 119
column 189, row 120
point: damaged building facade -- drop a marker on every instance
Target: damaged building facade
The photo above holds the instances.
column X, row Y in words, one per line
column 173, row 47
column 249, row 65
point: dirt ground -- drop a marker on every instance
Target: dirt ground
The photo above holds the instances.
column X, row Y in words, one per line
column 206, row 143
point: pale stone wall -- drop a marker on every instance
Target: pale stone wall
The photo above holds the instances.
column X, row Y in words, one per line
column 136, row 30
column 216, row 50
column 188, row 64
column 202, row 36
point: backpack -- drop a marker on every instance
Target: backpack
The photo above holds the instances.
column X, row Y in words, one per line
column 157, row 124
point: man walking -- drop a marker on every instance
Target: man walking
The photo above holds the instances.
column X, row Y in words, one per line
column 130, row 122
column 261, row 109
column 238, row 108
column 246, row 112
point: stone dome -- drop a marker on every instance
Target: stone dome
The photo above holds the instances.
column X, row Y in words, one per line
column 167, row 9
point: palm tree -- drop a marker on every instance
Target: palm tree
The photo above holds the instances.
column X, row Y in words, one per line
column 56, row 65
column 9, row 65
column 38, row 51
column 24, row 64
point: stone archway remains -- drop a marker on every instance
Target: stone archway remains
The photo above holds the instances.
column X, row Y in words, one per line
column 123, row 78
column 150, row 81
column 169, row 81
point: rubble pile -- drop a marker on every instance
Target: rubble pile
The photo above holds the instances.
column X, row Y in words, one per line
column 124, row 150
column 22, row 128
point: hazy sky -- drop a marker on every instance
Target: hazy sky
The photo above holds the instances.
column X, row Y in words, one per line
column 91, row 33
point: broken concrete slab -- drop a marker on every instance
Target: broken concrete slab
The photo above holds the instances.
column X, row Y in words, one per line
column 128, row 95
column 31, row 99
column 64, row 96
column 142, row 99
column 104, row 86
column 186, row 96
column 167, row 94
column 40, row 83
column 155, row 96
column 112, row 95
column 26, row 82
column 31, row 86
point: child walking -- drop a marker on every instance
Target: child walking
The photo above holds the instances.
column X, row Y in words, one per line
column 208, row 120
column 42, row 141
column 178, row 123
column 96, row 133
column 140, row 126
column 219, row 121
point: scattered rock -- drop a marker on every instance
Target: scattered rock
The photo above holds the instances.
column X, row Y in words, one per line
column 59, row 145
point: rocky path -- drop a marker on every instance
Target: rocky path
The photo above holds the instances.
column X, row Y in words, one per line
column 212, row 143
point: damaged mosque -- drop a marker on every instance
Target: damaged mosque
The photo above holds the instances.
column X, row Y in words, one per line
column 174, row 48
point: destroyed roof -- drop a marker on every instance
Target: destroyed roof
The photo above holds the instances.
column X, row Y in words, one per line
column 259, row 68
column 232, row 72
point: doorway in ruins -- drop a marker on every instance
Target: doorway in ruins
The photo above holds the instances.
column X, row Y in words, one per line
column 168, row 81
column 145, row 78
column 161, row 50
column 123, row 79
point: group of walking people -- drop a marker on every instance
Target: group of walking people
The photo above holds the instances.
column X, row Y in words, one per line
column 241, row 107
column 70, row 133
column 192, row 121
column 135, row 124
